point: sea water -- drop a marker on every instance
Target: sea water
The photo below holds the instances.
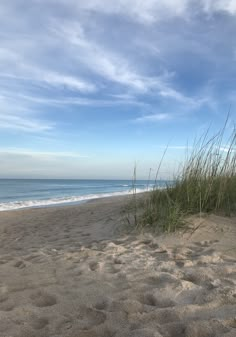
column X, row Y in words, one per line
column 25, row 193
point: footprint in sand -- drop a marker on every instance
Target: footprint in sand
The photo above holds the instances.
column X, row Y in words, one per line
column 101, row 304
column 3, row 261
column 85, row 234
column 163, row 280
column 118, row 261
column 93, row 266
column 43, row 299
column 89, row 318
column 196, row 295
column 139, row 333
column 98, row 331
column 126, row 306
column 3, row 297
column 176, row 329
column 39, row 323
column 157, row 300
column 205, row 329
column 35, row 258
column 111, row 269
column 200, row 276
column 19, row 264
column 157, row 317
column 7, row 306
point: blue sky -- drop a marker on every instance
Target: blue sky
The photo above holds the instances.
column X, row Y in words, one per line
column 89, row 87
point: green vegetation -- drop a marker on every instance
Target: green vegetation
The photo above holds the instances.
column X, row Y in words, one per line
column 206, row 183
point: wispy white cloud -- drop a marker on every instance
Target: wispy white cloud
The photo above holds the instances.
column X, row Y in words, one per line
column 18, row 113
column 114, row 67
column 176, row 147
column 24, row 123
column 40, row 154
column 219, row 5
column 25, row 100
column 154, row 118
column 18, row 116
column 151, row 11
column 145, row 12
column 70, row 82
column 105, row 63
column 13, row 66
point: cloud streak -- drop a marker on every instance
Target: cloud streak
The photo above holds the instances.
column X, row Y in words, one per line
column 26, row 124
column 103, row 62
column 18, row 69
column 152, row 11
column 115, row 68
column 154, row 118
column 39, row 154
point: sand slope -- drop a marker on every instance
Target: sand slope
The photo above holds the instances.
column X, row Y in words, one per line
column 55, row 280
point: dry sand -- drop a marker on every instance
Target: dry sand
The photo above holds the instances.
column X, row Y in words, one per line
column 67, row 271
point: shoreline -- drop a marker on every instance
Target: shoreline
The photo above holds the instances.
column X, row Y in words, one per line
column 86, row 198
column 71, row 204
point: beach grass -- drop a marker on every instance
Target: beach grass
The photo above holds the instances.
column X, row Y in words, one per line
column 205, row 183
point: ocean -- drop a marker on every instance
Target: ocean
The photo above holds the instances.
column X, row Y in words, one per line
column 28, row 193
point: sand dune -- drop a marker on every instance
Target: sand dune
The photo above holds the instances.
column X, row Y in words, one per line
column 67, row 272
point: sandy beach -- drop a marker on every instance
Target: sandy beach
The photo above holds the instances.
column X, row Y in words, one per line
column 70, row 272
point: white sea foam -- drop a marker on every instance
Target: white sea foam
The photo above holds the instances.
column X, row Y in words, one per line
column 7, row 206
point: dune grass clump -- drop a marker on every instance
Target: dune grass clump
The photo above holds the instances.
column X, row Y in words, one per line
column 206, row 183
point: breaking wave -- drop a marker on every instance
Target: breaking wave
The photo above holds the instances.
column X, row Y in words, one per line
column 13, row 205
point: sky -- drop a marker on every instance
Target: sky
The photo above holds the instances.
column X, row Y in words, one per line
column 90, row 88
